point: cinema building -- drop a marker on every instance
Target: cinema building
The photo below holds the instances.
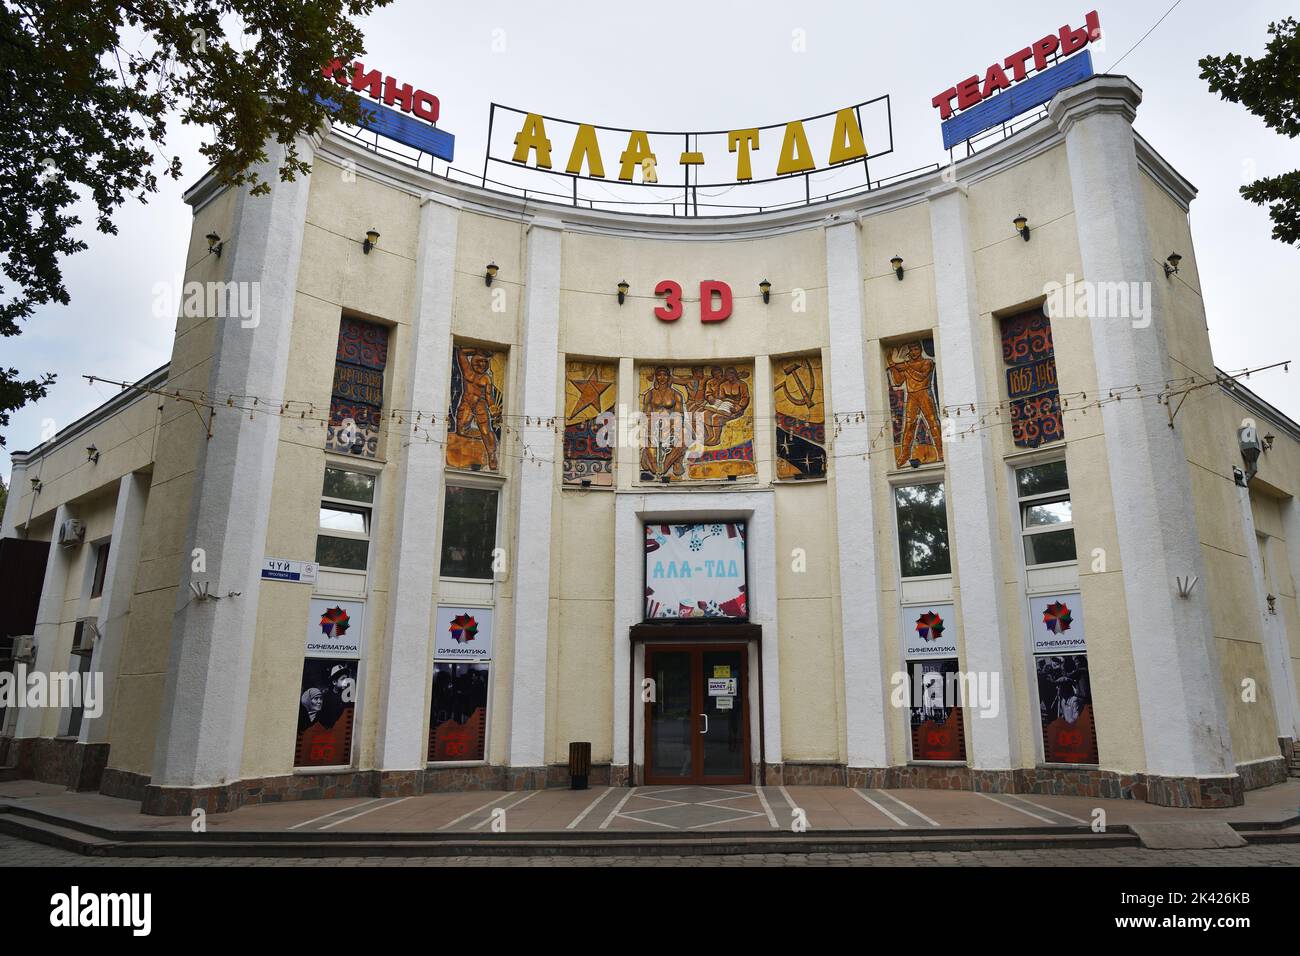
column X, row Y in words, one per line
column 486, row 475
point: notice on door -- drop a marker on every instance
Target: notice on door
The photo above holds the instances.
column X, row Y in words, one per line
column 722, row 687
column 721, row 670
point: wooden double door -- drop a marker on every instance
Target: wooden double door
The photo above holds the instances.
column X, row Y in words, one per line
column 697, row 722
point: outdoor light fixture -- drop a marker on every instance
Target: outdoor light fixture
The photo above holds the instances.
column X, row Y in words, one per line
column 1268, row 442
column 214, row 244
column 92, row 454
column 1022, row 227
column 372, row 240
column 765, row 287
column 896, row 264
column 491, row 273
column 622, row 291
column 36, row 485
column 1171, row 267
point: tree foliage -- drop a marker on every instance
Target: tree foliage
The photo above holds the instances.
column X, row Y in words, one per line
column 91, row 86
column 1270, row 88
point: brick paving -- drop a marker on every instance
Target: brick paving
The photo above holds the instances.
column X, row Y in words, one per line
column 16, row 852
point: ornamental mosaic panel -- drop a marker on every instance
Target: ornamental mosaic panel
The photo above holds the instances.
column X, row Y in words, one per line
column 478, row 376
column 1031, row 379
column 590, row 423
column 699, row 422
column 799, row 402
column 357, row 397
column 914, row 402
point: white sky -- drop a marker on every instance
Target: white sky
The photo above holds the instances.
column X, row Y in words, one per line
column 729, row 64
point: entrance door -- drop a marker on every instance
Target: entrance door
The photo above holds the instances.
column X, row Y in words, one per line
column 697, row 726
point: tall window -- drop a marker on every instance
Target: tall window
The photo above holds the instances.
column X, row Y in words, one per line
column 1046, row 523
column 347, row 498
column 922, row 530
column 101, row 570
column 469, row 532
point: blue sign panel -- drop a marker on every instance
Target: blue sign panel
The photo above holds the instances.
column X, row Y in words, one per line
column 1019, row 99
column 404, row 129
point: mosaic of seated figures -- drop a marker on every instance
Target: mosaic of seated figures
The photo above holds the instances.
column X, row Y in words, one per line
column 699, row 422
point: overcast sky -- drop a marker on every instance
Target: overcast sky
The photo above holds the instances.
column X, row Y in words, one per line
column 667, row 64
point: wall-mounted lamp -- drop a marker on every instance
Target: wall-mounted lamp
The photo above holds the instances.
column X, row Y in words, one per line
column 214, row 244
column 1268, row 442
column 1022, row 227
column 765, row 287
column 372, row 240
column 1171, row 264
column 622, row 291
column 896, row 264
column 36, row 486
column 92, row 454
column 1272, row 603
column 490, row 274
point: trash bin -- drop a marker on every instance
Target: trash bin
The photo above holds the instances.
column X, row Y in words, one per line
column 579, row 764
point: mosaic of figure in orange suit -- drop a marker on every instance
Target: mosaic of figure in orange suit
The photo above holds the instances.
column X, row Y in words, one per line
column 476, row 400
column 915, row 375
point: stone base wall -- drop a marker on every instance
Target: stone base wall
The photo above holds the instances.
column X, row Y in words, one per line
column 60, row 760
column 123, row 784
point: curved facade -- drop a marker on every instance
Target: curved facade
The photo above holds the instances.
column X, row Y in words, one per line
column 748, row 538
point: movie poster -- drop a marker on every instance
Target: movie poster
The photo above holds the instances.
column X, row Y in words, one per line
column 699, row 422
column 935, row 717
column 799, row 402
column 914, row 402
column 1065, row 703
column 478, row 381
column 590, row 423
column 458, row 712
column 326, row 708
column 695, row 571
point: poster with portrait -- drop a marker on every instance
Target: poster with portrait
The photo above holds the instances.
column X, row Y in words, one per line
column 799, row 403
column 1065, row 705
column 335, row 628
column 326, row 711
column 929, row 631
column 914, row 402
column 458, row 711
column 698, row 422
column 695, row 571
column 936, row 717
column 463, row 633
column 590, row 423
column 478, row 381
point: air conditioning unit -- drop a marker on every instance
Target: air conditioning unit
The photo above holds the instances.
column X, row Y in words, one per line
column 71, row 533
column 87, row 634
column 25, row 648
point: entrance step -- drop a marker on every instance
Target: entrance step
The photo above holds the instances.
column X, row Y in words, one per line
column 8, row 773
column 1188, row 836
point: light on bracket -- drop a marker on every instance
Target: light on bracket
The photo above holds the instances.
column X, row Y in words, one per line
column 1171, row 264
column 214, row 244
column 92, row 454
column 622, row 291
column 490, row 274
column 372, row 240
column 1022, row 227
column 896, row 264
column 765, row 287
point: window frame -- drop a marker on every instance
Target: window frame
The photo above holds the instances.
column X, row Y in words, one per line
column 1045, row 497
column 937, row 477
column 367, row 509
column 456, row 479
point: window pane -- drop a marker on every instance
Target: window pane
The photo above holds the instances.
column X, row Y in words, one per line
column 1040, row 479
column 342, row 519
column 469, row 532
column 347, row 553
column 1047, row 512
column 1049, row 547
column 458, row 711
column 351, row 485
column 922, row 530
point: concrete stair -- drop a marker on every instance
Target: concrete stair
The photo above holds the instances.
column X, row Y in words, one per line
column 8, row 773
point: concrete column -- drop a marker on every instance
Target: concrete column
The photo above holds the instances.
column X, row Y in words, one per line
column 115, row 602
column 205, row 694
column 972, row 480
column 1277, row 652
column 1184, row 720
column 866, row 704
column 535, row 475
column 18, row 488
column 49, row 615
column 403, row 717
column 1290, row 510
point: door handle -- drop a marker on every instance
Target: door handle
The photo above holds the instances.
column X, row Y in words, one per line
column 706, row 723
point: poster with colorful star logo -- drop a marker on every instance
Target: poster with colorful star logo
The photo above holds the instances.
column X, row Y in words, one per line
column 335, row 628
column 929, row 631
column 1057, row 621
column 463, row 633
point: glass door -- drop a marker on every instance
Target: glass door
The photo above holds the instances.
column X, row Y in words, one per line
column 697, row 724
